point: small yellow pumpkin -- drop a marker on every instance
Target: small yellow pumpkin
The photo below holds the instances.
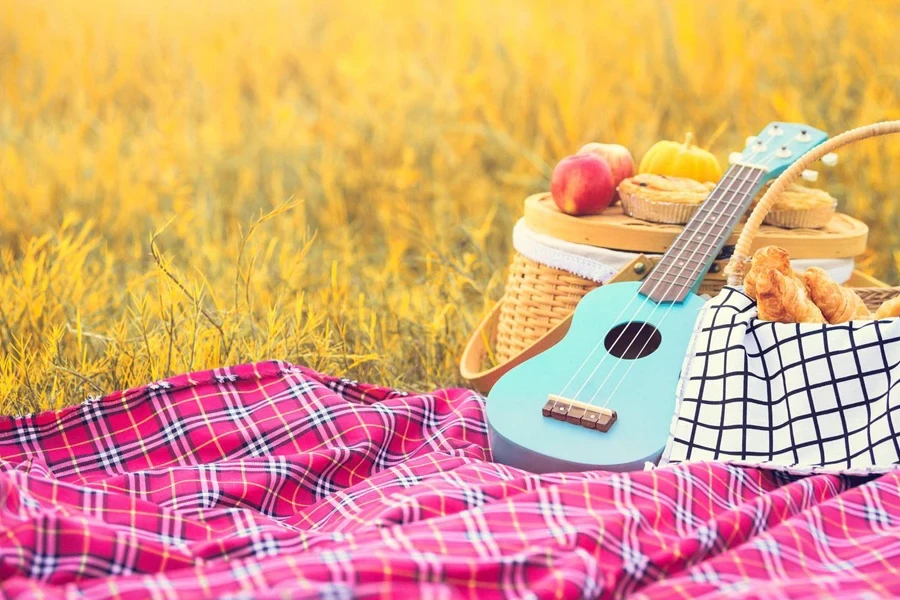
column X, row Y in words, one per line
column 681, row 160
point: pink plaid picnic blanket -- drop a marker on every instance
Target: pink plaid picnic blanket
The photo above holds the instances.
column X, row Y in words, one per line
column 270, row 480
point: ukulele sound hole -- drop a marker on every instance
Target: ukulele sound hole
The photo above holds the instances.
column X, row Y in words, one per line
column 632, row 340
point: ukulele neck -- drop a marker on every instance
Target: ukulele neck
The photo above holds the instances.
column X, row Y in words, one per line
column 690, row 256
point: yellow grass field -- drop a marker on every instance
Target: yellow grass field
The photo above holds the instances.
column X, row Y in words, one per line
column 186, row 184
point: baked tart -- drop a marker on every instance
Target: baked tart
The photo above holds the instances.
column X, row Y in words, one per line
column 661, row 198
column 800, row 207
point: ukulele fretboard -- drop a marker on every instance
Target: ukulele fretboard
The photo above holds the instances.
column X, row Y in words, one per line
column 687, row 261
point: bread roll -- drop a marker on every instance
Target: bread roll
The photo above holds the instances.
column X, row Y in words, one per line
column 888, row 309
column 837, row 303
column 768, row 258
column 782, row 298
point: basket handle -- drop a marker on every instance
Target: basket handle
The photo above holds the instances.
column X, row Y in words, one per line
column 735, row 268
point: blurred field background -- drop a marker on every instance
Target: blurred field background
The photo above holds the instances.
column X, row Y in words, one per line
column 189, row 184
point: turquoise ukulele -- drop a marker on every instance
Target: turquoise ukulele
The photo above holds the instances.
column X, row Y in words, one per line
column 604, row 396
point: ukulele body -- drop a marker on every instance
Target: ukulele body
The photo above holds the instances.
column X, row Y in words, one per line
column 641, row 390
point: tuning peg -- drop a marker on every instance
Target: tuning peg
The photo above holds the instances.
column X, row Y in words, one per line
column 809, row 175
column 734, row 158
column 751, row 139
column 830, row 159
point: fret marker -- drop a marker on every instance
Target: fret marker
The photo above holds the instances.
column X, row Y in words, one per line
column 705, row 232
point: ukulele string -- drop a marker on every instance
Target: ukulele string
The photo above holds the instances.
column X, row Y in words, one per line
column 646, row 343
column 596, row 347
column 621, row 333
column 668, row 269
column 735, row 213
column 678, row 258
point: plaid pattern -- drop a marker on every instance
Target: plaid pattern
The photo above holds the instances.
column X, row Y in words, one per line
column 799, row 397
column 273, row 481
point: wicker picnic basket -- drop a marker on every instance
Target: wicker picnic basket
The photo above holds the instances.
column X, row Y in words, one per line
column 538, row 300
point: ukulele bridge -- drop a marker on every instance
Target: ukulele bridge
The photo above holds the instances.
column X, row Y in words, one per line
column 579, row 413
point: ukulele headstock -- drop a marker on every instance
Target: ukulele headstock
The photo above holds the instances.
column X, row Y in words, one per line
column 777, row 147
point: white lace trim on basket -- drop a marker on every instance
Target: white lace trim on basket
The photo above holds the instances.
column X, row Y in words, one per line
column 799, row 398
column 601, row 264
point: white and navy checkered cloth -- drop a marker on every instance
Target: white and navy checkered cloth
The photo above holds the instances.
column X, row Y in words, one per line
column 800, row 397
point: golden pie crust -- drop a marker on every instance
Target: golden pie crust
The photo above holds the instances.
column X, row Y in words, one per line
column 662, row 199
column 800, row 207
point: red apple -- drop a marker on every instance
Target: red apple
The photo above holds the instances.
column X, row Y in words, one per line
column 618, row 157
column 582, row 184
